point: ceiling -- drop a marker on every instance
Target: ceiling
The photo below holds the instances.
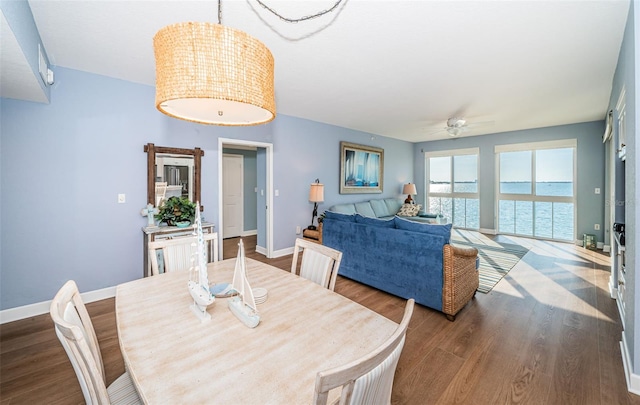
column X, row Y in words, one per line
column 393, row 68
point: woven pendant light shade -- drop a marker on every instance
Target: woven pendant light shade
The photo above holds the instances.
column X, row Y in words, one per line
column 212, row 74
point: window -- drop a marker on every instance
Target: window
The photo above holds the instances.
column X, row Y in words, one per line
column 536, row 189
column 452, row 186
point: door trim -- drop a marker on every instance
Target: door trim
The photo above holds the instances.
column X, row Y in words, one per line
column 269, row 209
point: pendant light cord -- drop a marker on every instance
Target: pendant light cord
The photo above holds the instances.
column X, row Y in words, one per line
column 295, row 20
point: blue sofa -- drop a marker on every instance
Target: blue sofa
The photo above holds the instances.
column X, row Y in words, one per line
column 405, row 258
column 382, row 209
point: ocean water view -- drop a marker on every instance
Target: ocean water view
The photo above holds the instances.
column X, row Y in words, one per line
column 544, row 219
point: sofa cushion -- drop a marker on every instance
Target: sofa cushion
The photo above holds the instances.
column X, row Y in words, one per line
column 409, row 210
column 364, row 209
column 380, row 208
column 393, row 205
column 340, row 217
column 433, row 229
column 383, row 223
column 344, row 208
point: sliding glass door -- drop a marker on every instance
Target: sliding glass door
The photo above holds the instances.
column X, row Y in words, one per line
column 452, row 186
column 536, row 189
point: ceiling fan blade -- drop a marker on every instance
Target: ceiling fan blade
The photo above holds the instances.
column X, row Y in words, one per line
column 479, row 124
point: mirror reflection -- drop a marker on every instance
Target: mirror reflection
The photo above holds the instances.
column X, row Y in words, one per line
column 172, row 172
column 174, row 177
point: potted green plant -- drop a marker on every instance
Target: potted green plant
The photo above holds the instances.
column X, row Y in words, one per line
column 178, row 211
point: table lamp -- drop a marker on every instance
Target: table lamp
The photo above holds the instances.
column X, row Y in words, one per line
column 409, row 189
column 316, row 195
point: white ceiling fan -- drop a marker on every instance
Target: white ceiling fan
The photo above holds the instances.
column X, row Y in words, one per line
column 458, row 125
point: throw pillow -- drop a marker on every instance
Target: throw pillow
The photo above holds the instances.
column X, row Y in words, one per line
column 409, row 210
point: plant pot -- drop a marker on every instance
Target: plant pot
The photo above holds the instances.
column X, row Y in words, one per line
column 183, row 224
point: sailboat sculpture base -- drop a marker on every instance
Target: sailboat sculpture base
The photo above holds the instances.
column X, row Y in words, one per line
column 201, row 312
column 201, row 299
column 246, row 315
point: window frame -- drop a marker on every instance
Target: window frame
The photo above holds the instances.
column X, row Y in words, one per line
column 453, row 195
column 533, row 197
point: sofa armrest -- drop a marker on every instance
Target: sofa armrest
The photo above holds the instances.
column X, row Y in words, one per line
column 460, row 278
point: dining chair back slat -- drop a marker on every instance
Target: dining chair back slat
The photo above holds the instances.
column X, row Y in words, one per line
column 368, row 380
column 176, row 253
column 319, row 263
column 75, row 331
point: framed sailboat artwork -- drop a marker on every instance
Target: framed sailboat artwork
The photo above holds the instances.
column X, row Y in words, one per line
column 361, row 169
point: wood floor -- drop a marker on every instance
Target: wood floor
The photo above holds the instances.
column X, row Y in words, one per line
column 547, row 334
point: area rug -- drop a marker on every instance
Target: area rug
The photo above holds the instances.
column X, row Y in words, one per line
column 495, row 261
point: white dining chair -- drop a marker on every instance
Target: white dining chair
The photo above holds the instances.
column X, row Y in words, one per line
column 320, row 263
column 161, row 191
column 74, row 329
column 368, row 380
column 177, row 252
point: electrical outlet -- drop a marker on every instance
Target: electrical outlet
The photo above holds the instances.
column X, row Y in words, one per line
column 298, row 230
column 121, row 199
column 596, row 227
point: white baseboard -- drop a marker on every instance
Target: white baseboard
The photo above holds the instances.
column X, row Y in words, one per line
column 39, row 308
column 579, row 242
column 613, row 288
column 633, row 380
column 277, row 253
column 283, row 252
column 606, row 248
column 249, row 233
column 487, row 231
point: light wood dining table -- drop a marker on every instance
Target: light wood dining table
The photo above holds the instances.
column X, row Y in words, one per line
column 174, row 358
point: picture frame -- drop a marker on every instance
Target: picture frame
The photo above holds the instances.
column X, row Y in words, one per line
column 361, row 169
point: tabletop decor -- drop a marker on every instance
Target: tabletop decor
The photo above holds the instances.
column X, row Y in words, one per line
column 361, row 169
column 198, row 276
column 177, row 210
column 243, row 306
column 149, row 211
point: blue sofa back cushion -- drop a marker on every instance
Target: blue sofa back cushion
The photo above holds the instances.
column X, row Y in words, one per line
column 380, row 208
column 344, row 208
column 433, row 229
column 364, row 209
column 383, row 223
column 340, row 217
column 393, row 205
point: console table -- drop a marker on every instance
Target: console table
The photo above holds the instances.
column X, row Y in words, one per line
column 151, row 233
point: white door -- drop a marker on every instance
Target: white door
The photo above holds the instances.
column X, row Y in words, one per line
column 233, row 199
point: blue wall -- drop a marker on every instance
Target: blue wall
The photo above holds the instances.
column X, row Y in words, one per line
column 590, row 168
column 63, row 164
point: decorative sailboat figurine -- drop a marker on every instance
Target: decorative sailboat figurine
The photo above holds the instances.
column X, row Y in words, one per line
column 198, row 277
column 243, row 306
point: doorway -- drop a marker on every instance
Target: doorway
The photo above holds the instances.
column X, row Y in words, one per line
column 263, row 197
column 233, row 195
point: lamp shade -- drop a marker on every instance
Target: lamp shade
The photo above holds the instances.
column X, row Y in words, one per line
column 212, row 74
column 409, row 189
column 316, row 193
